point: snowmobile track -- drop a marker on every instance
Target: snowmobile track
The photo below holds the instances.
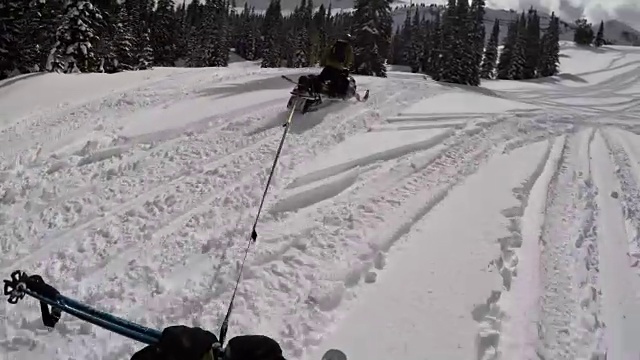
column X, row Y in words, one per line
column 458, row 163
column 199, row 207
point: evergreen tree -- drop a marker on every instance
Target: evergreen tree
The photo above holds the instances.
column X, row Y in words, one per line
column 550, row 57
column 427, row 47
column 76, row 37
column 519, row 61
column 466, row 70
column 272, row 27
column 599, row 41
column 247, row 44
column 51, row 14
column 459, row 60
column 478, row 36
column 302, row 45
column 213, row 48
column 507, row 54
column 434, row 63
column 320, row 22
column 532, row 51
column 417, row 43
column 396, row 49
column 450, row 47
column 164, row 35
column 371, row 40
column 11, row 12
column 405, row 38
column 139, row 13
column 491, row 53
column 583, row 34
column 123, row 42
column 32, row 36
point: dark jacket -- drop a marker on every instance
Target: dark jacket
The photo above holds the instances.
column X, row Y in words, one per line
column 339, row 56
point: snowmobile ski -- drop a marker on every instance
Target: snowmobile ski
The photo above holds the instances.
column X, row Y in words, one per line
column 334, row 354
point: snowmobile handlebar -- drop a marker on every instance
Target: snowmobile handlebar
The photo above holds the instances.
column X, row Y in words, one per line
column 52, row 304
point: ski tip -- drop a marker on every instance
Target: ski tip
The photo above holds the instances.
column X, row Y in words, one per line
column 334, row 354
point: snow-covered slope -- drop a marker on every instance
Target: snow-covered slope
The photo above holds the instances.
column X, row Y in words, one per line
column 433, row 221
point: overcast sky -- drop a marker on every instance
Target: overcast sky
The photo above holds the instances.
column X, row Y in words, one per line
column 596, row 10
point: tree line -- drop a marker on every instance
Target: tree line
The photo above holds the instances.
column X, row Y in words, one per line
column 447, row 42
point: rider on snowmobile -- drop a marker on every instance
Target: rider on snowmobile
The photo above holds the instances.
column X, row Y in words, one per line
column 336, row 61
column 193, row 343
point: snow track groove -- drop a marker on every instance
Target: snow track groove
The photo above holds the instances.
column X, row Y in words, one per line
column 71, row 121
column 520, row 268
column 491, row 314
column 147, row 190
column 349, row 223
column 621, row 306
column 560, row 314
column 124, row 243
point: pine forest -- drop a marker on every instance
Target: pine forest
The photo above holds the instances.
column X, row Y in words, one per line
column 448, row 43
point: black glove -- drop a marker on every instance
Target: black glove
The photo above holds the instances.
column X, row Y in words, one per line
column 253, row 347
column 179, row 343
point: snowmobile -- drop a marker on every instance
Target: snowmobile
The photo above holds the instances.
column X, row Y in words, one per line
column 309, row 93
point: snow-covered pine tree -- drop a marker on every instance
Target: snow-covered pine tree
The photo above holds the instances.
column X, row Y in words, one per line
column 164, row 34
column 11, row 12
column 385, row 28
column 532, row 47
column 320, row 21
column 76, row 37
column 550, row 57
column 405, row 38
column 519, row 61
column 144, row 51
column 302, row 43
column 583, row 34
column 507, row 54
column 427, row 46
column 467, row 71
column 416, row 47
column 599, row 41
column 223, row 18
column 139, row 14
column 396, row 50
column 252, row 37
column 29, row 46
column 271, row 29
column 370, row 36
column 314, row 34
column 244, row 29
column 478, row 35
column 51, row 14
column 437, row 51
column 123, row 42
column 450, row 47
column 247, row 45
column 491, row 53
column 212, row 47
column 182, row 37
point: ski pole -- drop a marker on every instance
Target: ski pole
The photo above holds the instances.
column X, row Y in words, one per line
column 22, row 284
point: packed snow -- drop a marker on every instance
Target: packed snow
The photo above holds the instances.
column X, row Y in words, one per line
column 433, row 221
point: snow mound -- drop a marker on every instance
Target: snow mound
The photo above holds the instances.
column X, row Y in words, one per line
column 365, row 149
column 466, row 103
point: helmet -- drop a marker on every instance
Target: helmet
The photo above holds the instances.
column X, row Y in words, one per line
column 347, row 38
